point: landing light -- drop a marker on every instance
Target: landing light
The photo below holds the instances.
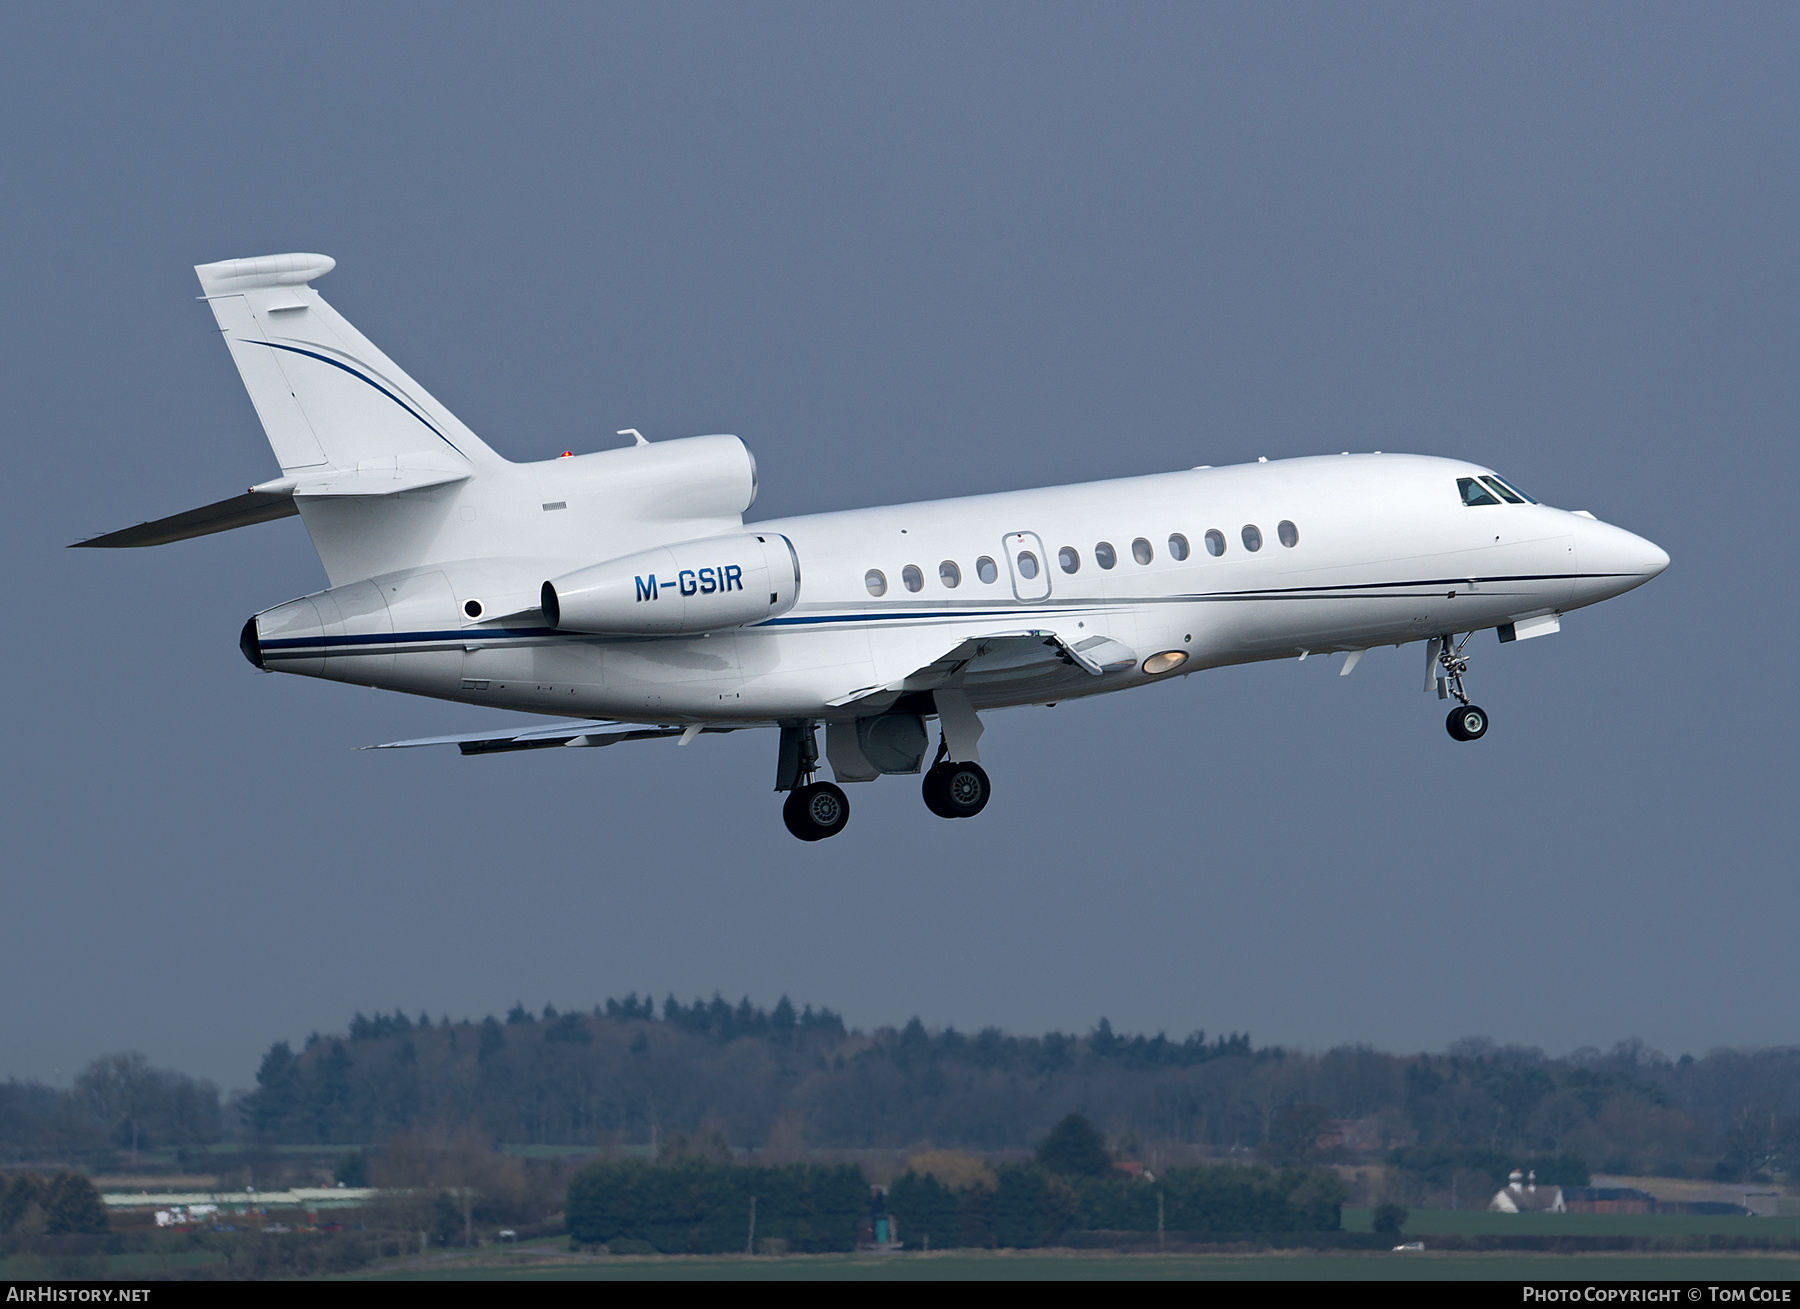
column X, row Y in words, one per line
column 1162, row 663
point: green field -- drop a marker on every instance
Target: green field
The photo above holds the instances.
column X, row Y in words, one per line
column 548, row 1261
column 1058, row 1266
column 1479, row 1222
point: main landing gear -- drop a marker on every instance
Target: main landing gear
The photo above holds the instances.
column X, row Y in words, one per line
column 1467, row 722
column 816, row 811
column 813, row 810
column 955, row 790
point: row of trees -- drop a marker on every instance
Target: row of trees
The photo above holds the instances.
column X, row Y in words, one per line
column 118, row 1103
column 32, row 1205
column 784, row 1079
column 693, row 1204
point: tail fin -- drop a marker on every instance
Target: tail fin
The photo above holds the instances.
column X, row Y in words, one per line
column 328, row 399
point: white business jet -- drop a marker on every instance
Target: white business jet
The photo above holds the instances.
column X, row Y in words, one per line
column 622, row 591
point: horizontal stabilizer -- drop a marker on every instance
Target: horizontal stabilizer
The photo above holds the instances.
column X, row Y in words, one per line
column 340, row 483
column 271, row 500
column 579, row 732
column 239, row 511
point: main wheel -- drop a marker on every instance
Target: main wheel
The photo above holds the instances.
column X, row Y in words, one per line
column 815, row 812
column 1467, row 723
column 956, row 790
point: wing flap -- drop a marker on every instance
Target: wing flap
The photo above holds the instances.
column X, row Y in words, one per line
column 1008, row 659
column 578, row 733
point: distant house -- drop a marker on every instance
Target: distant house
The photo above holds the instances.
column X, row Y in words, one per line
column 1522, row 1195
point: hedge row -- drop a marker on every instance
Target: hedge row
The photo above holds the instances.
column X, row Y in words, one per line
column 702, row 1207
column 699, row 1207
column 1028, row 1207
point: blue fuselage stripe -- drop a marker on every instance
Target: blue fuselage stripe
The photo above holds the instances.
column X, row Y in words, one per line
column 471, row 635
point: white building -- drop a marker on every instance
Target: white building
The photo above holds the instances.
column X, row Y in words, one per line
column 1522, row 1195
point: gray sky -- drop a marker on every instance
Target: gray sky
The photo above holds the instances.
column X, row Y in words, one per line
column 909, row 251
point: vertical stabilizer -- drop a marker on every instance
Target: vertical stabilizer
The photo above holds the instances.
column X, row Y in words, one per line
column 326, row 396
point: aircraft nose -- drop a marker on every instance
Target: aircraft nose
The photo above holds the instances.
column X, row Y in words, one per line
column 1613, row 550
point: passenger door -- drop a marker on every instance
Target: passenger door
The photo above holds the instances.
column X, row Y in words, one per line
column 1029, row 566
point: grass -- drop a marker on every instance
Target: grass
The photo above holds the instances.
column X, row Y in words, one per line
column 1479, row 1222
column 1072, row 1266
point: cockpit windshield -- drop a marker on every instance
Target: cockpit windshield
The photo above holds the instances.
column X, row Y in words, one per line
column 1474, row 493
column 1489, row 489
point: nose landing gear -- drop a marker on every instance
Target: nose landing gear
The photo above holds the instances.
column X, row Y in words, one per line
column 1448, row 664
column 1467, row 723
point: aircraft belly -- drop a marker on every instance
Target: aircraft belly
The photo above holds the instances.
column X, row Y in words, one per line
column 694, row 676
column 789, row 672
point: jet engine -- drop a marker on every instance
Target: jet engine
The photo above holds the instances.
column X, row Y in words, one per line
column 696, row 586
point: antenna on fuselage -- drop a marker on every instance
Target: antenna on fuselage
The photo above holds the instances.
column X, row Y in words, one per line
column 634, row 434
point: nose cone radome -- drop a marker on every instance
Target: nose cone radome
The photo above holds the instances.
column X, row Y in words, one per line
column 1620, row 557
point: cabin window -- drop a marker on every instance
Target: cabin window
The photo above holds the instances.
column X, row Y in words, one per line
column 1141, row 551
column 1069, row 559
column 1178, row 546
column 1252, row 537
column 1289, row 534
column 1215, row 542
column 1474, row 493
column 1103, row 554
column 875, row 581
column 1028, row 564
column 985, row 570
column 949, row 574
column 1504, row 491
column 912, row 578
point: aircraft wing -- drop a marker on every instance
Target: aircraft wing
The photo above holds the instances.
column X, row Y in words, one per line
column 1042, row 660
column 580, row 732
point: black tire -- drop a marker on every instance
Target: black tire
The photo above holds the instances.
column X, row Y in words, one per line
column 956, row 790
column 815, row 812
column 1467, row 723
column 932, row 788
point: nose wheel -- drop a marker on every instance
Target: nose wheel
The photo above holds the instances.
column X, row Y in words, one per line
column 1467, row 722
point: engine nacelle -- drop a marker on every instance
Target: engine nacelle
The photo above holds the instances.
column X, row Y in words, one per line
column 696, row 586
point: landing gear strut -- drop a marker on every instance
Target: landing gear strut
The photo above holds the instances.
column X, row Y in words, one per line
column 955, row 790
column 1467, row 722
column 813, row 810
